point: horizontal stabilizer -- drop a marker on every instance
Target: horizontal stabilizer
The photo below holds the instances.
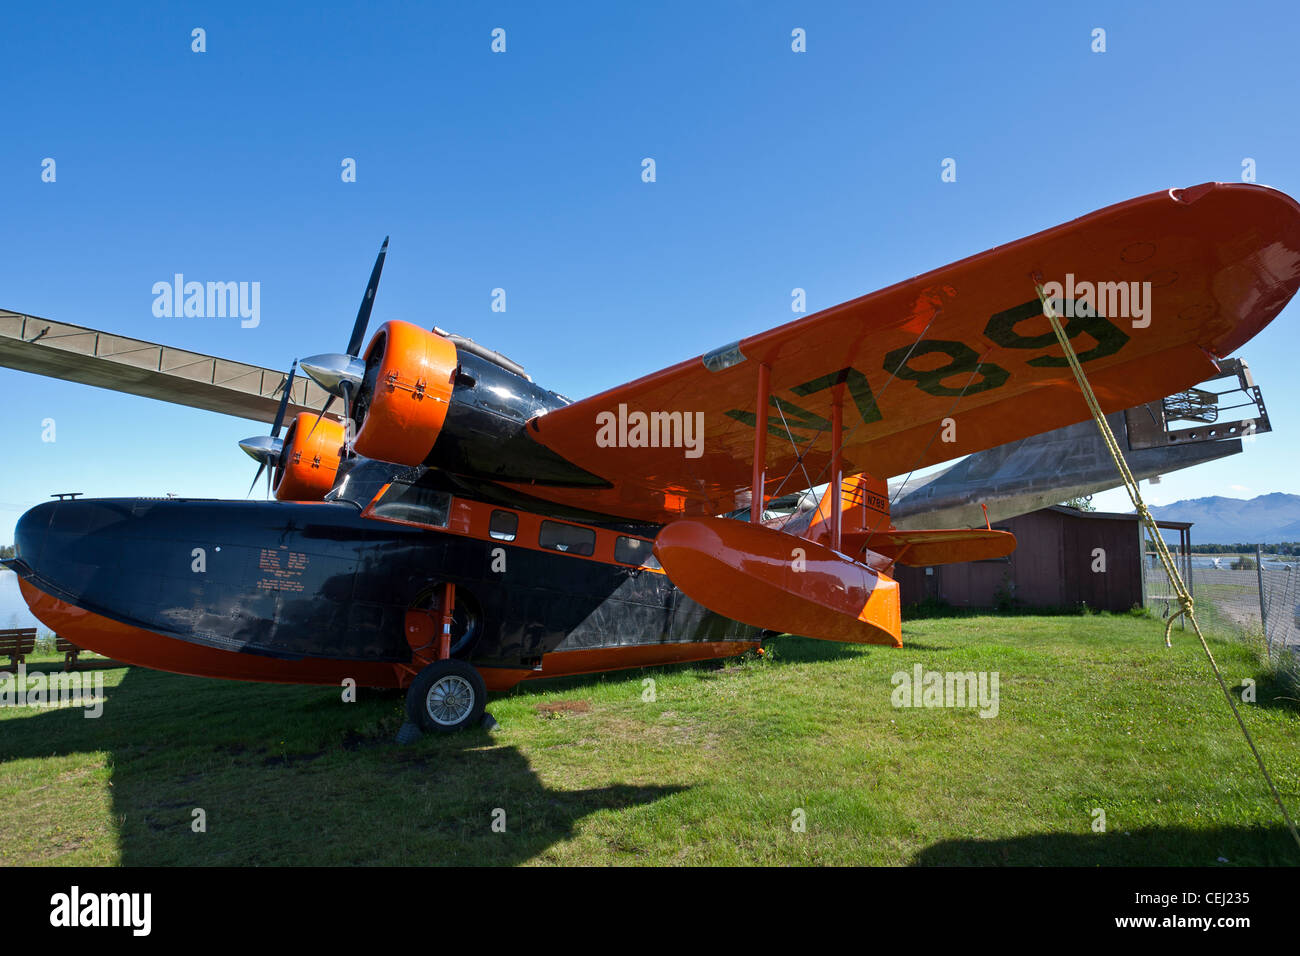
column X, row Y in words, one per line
column 928, row 548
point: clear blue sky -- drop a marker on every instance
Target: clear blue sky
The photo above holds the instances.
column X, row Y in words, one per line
column 522, row 171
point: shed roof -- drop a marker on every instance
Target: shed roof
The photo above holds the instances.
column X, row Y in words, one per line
column 1116, row 516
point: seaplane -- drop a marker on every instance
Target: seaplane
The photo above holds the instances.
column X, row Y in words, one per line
column 457, row 528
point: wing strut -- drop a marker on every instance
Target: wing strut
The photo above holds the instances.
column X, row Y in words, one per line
column 758, row 500
column 837, row 466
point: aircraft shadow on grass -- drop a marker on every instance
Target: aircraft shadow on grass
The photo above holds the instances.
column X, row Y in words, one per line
column 1154, row 846
column 289, row 775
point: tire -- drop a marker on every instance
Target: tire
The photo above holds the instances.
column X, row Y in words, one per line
column 466, row 623
column 446, row 696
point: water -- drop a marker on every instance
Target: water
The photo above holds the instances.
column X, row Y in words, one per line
column 13, row 611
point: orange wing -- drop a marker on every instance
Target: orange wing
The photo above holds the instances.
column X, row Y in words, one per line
column 948, row 363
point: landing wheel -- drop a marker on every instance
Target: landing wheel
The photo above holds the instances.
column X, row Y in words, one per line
column 447, row 695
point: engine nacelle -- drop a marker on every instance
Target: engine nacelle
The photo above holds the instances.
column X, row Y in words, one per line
column 309, row 459
column 402, row 403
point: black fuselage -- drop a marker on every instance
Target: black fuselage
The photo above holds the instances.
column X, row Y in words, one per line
column 323, row 580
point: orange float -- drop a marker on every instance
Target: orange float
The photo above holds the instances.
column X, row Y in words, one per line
column 769, row 579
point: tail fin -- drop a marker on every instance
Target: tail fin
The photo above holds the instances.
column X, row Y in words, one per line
column 866, row 524
column 864, row 501
column 864, row 507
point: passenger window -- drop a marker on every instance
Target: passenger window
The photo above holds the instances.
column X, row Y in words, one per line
column 504, row 525
column 567, row 538
column 635, row 551
column 415, row 504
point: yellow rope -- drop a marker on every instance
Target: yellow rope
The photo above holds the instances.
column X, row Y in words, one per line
column 1186, row 607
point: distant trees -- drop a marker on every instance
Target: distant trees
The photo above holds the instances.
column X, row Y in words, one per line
column 1083, row 503
column 6, row 550
column 1286, row 547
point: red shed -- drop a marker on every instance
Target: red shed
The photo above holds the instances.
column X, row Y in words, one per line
column 1064, row 557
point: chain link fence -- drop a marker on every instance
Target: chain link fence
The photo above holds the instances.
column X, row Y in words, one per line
column 1255, row 596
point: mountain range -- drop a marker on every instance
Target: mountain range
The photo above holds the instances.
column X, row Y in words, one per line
column 1266, row 519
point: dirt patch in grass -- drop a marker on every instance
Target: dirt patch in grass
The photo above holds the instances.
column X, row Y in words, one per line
column 560, row 708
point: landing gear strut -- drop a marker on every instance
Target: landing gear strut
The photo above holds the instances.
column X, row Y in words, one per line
column 447, row 694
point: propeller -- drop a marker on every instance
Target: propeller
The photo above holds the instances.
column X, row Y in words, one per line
column 340, row 372
column 267, row 449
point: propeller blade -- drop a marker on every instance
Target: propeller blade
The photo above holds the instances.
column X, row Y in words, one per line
column 331, row 371
column 266, row 449
column 367, row 303
column 284, row 401
column 320, row 415
column 260, row 468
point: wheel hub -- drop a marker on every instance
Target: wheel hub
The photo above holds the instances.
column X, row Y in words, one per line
column 449, row 700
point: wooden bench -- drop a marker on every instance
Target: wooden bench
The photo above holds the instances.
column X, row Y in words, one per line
column 71, row 661
column 16, row 643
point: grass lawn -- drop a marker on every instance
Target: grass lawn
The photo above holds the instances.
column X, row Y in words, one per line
column 1094, row 713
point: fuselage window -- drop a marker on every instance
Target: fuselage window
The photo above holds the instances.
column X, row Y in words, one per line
column 504, row 525
column 634, row 551
column 567, row 538
column 415, row 504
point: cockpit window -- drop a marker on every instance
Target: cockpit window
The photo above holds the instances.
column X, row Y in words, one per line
column 413, row 503
column 360, row 479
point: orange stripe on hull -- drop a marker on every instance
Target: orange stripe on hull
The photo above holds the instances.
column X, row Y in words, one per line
column 134, row 645
column 144, row 648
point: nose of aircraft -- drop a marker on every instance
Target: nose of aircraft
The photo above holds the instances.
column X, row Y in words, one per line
column 146, row 559
column 29, row 533
column 66, row 545
column 248, row 590
column 72, row 555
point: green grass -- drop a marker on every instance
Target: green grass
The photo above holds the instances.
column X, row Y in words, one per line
column 1094, row 712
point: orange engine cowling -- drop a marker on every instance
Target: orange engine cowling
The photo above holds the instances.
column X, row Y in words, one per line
column 309, row 460
column 404, row 396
